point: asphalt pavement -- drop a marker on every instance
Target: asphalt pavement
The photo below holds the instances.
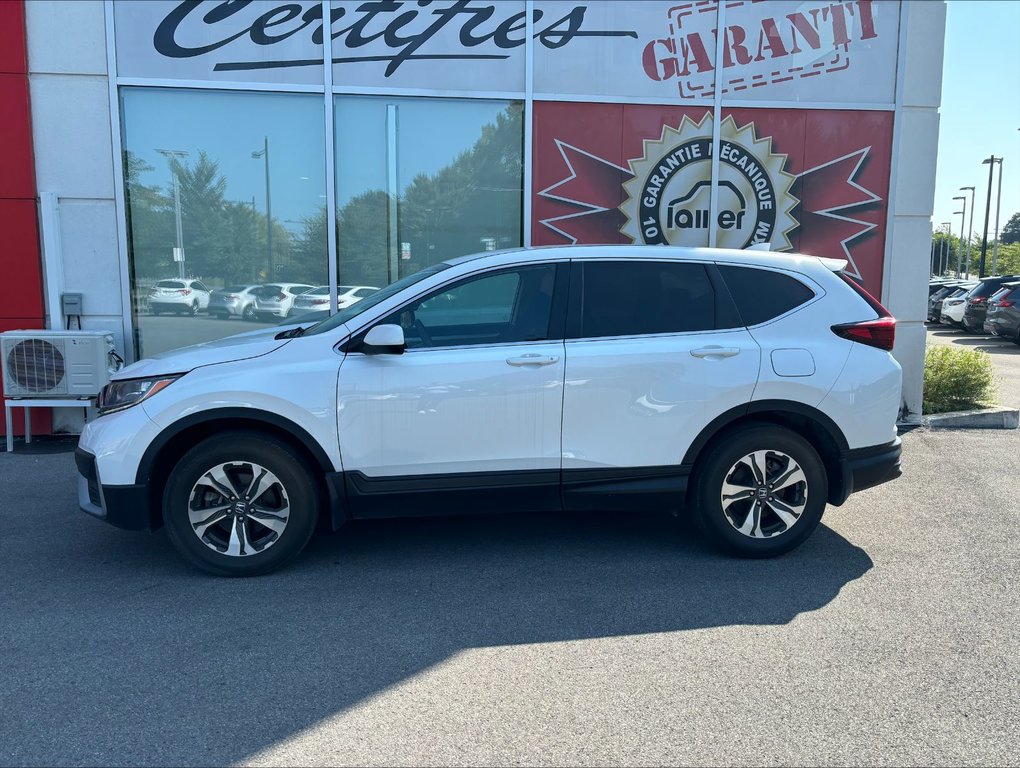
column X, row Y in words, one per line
column 889, row 638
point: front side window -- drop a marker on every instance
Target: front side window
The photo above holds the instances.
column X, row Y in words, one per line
column 635, row 298
column 496, row 308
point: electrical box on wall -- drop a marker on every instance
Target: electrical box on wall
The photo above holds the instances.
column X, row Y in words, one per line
column 70, row 304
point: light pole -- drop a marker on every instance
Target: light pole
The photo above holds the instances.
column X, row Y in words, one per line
column 990, row 162
column 948, row 250
column 998, row 204
column 171, row 155
column 959, row 248
column 970, row 227
column 264, row 153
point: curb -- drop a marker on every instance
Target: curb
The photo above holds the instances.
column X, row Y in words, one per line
column 983, row 418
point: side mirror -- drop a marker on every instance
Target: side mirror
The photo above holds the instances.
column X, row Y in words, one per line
column 384, row 339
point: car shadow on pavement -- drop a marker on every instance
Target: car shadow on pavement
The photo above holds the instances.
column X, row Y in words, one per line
column 116, row 653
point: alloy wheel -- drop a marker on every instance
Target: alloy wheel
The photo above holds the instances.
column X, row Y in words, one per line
column 764, row 494
column 238, row 508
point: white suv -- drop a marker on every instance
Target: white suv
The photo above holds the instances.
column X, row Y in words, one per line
column 178, row 296
column 752, row 388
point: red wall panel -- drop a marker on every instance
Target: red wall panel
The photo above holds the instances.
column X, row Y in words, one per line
column 20, row 263
column 13, row 51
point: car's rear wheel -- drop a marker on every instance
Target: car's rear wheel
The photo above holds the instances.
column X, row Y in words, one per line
column 248, row 313
column 240, row 504
column 761, row 491
column 193, row 308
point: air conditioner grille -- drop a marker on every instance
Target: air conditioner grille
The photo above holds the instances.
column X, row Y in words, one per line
column 36, row 365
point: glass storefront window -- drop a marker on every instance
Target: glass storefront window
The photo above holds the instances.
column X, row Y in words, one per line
column 423, row 180
column 226, row 198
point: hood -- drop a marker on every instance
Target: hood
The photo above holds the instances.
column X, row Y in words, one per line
column 239, row 347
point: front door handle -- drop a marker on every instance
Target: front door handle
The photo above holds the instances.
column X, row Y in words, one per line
column 715, row 352
column 531, row 359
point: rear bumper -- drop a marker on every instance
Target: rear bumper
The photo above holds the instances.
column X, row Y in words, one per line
column 867, row 467
column 123, row 506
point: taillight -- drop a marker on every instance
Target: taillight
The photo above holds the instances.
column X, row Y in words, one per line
column 976, row 300
column 1006, row 304
column 231, row 296
column 280, row 297
column 880, row 333
column 184, row 292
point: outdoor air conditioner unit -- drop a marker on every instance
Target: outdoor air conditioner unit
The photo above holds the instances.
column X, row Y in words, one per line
column 56, row 364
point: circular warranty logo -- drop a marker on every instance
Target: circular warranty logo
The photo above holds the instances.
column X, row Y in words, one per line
column 669, row 196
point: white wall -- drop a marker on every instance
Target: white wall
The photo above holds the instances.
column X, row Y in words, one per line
column 73, row 142
column 73, row 147
column 912, row 194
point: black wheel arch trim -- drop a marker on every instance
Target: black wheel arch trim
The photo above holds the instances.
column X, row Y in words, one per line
column 840, row 484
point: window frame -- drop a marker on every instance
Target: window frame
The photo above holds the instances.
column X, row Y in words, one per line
column 557, row 311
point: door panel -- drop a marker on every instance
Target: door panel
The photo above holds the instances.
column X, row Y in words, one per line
column 451, row 410
column 640, row 402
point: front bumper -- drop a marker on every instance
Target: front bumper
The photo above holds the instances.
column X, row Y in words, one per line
column 867, row 467
column 123, row 506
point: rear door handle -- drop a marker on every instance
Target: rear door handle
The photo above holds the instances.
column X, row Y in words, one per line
column 531, row 359
column 715, row 352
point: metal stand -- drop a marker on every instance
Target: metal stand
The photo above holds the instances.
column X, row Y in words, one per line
column 85, row 403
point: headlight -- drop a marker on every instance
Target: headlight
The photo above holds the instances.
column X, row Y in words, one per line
column 118, row 395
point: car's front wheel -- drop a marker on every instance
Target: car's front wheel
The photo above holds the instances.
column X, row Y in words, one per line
column 240, row 504
column 761, row 491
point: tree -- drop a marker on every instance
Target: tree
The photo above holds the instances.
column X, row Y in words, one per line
column 1011, row 232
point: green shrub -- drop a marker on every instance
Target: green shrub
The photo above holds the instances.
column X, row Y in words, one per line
column 957, row 379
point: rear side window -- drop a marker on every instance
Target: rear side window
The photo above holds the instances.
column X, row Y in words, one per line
column 633, row 298
column 762, row 295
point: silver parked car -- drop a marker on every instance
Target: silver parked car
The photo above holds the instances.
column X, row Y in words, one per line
column 233, row 301
column 276, row 299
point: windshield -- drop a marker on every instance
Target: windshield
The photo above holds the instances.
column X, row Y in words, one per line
column 349, row 313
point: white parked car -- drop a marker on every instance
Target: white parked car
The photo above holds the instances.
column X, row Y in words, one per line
column 178, row 296
column 318, row 298
column 952, row 309
column 276, row 299
column 753, row 388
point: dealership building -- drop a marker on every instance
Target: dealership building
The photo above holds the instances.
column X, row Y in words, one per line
column 150, row 144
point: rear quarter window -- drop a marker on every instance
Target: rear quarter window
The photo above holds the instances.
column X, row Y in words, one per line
column 762, row 295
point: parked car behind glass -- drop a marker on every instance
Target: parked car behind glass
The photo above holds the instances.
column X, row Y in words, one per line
column 178, row 296
column 318, row 298
column 276, row 299
column 233, row 301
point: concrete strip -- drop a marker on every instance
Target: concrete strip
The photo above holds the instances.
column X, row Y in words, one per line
column 982, row 418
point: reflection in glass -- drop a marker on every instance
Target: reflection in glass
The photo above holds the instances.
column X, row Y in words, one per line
column 423, row 180
column 225, row 193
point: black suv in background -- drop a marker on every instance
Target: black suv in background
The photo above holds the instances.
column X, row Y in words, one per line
column 977, row 301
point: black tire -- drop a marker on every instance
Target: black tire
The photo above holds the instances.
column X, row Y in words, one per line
column 720, row 459
column 237, row 449
column 193, row 309
column 248, row 313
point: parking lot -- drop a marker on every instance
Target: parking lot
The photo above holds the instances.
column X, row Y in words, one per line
column 889, row 638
